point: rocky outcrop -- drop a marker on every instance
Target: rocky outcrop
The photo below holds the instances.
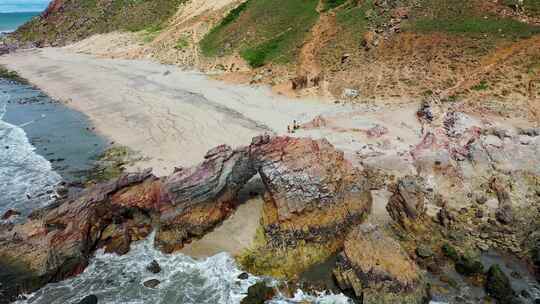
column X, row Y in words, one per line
column 196, row 199
column 312, row 195
column 375, row 268
column 57, row 242
column 407, row 203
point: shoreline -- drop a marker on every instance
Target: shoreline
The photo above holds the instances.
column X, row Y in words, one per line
column 159, row 110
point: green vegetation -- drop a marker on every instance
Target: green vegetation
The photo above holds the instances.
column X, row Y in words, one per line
column 150, row 33
column 263, row 31
column 262, row 259
column 464, row 18
column 83, row 18
column 181, row 44
column 481, row 86
column 111, row 164
column 11, row 75
column 331, row 4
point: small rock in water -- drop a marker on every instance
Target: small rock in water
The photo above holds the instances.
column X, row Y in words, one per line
column 10, row 213
column 91, row 299
column 243, row 276
column 154, row 267
column 498, row 285
column 153, row 283
column 258, row 293
column 524, row 293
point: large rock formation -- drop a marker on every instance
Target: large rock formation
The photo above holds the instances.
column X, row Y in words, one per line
column 316, row 197
column 375, row 268
column 313, row 194
column 58, row 241
column 196, row 199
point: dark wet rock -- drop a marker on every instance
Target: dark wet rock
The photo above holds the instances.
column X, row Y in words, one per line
column 526, row 294
column 91, row 299
column 424, row 252
column 243, row 276
column 258, row 293
column 498, row 285
column 153, row 283
column 444, row 217
column 450, row 252
column 407, row 203
column 10, row 213
column 468, row 265
column 154, row 267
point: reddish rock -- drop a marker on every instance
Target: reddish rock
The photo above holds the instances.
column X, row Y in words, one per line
column 312, row 194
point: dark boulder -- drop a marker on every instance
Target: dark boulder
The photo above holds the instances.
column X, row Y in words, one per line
column 498, row 285
column 258, row 293
column 91, row 299
column 154, row 267
column 469, row 266
column 243, row 276
column 153, row 283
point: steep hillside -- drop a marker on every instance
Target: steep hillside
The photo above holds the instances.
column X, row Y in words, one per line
column 67, row 21
column 355, row 50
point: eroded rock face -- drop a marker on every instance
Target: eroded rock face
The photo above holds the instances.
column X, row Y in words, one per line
column 377, row 270
column 196, row 199
column 57, row 242
column 408, row 201
column 313, row 193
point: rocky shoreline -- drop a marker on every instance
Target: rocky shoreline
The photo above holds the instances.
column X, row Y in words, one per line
column 318, row 204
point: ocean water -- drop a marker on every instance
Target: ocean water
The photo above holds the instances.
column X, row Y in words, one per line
column 42, row 143
column 27, row 180
column 11, row 21
column 119, row 279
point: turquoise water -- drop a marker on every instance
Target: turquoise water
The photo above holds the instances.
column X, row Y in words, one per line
column 11, row 21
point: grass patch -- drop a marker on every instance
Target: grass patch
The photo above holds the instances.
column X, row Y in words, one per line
column 181, row 44
column 259, row 55
column 464, row 18
column 331, row 4
column 263, row 31
column 482, row 86
column 83, row 18
column 11, row 75
column 150, row 33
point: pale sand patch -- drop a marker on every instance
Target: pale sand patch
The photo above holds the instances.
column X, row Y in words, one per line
column 233, row 235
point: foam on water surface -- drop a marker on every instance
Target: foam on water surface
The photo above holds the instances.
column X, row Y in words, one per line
column 27, row 180
column 119, row 279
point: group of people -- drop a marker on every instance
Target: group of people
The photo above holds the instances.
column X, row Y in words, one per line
column 295, row 126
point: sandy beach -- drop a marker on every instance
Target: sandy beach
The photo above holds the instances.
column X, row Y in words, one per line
column 172, row 117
